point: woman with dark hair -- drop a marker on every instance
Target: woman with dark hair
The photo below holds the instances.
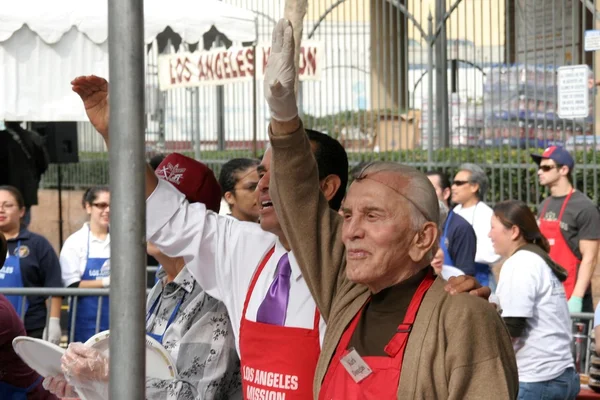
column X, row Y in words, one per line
column 534, row 305
column 238, row 180
column 84, row 260
column 30, row 262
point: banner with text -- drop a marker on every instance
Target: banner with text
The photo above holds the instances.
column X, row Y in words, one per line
column 236, row 64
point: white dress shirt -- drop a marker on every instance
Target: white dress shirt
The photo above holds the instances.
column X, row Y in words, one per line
column 73, row 255
column 480, row 217
column 223, row 254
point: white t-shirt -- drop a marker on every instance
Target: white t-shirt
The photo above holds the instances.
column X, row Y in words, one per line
column 480, row 217
column 73, row 256
column 529, row 289
column 222, row 254
column 597, row 316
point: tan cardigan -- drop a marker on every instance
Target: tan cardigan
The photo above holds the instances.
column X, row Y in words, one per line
column 459, row 347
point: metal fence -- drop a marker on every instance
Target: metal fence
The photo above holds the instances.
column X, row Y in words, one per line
column 429, row 83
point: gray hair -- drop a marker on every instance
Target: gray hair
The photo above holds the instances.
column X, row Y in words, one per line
column 478, row 176
column 443, row 215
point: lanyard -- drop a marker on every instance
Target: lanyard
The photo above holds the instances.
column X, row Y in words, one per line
column 171, row 318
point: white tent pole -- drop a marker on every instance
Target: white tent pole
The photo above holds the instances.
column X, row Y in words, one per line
column 128, row 228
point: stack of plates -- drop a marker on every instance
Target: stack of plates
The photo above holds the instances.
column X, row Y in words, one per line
column 594, row 381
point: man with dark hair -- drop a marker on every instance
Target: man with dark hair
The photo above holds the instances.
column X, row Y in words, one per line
column 156, row 159
column 571, row 223
column 332, row 161
column 458, row 241
column 238, row 180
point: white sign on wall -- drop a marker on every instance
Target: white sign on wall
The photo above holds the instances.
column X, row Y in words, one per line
column 236, row 64
column 592, row 40
column 573, row 91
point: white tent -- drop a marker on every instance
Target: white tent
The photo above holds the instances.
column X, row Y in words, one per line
column 44, row 44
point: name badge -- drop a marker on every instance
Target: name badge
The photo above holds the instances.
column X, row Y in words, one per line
column 355, row 365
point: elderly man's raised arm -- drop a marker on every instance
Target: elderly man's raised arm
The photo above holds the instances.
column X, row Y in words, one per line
column 310, row 226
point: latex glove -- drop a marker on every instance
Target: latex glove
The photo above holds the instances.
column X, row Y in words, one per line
column 58, row 386
column 53, row 332
column 106, row 282
column 86, row 368
column 575, row 304
column 467, row 284
column 280, row 74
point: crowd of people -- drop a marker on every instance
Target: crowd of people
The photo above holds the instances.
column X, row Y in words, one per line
column 317, row 284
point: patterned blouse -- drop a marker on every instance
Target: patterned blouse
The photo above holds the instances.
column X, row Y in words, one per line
column 200, row 340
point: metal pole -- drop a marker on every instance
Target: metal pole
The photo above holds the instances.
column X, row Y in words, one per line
column 60, row 211
column 220, row 109
column 441, row 75
column 430, row 110
column 127, row 167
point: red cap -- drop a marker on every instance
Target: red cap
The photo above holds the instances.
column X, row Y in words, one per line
column 192, row 178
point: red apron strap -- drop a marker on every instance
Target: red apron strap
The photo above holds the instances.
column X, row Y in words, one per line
column 317, row 319
column 564, row 205
column 398, row 341
column 255, row 278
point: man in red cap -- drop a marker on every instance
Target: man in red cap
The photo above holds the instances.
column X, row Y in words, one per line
column 248, row 266
column 571, row 223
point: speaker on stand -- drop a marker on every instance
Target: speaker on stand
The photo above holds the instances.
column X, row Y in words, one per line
column 61, row 143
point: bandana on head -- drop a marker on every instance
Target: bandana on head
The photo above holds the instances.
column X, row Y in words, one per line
column 192, row 178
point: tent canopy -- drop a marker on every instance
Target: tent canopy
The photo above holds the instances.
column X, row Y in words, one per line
column 45, row 44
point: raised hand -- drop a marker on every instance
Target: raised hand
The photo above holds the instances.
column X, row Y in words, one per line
column 280, row 74
column 93, row 91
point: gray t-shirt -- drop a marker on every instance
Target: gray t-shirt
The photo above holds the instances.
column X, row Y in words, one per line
column 580, row 221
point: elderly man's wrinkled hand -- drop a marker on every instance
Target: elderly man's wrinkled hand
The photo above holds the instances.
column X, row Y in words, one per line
column 93, row 91
column 467, row 284
column 280, row 74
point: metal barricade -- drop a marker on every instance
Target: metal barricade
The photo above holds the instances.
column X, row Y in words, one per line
column 72, row 294
column 583, row 344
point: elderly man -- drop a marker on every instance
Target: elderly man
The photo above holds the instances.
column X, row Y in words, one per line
column 468, row 191
column 369, row 273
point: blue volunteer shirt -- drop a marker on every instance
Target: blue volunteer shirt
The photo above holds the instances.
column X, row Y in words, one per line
column 39, row 268
column 462, row 244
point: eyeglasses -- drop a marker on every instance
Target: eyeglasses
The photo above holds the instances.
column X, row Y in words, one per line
column 7, row 206
column 459, row 183
column 547, row 168
column 101, row 206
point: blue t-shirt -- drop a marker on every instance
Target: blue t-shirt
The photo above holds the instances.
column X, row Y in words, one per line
column 39, row 268
column 461, row 243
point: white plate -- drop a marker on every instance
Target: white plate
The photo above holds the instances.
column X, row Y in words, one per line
column 43, row 357
column 159, row 363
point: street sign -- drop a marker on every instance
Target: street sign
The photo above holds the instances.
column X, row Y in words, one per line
column 592, row 40
column 573, row 91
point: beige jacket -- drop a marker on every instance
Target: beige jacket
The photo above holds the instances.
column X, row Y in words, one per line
column 459, row 347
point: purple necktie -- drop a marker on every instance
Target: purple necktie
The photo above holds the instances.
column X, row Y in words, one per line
column 274, row 307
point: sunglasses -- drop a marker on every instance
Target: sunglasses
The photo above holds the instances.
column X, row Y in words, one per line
column 459, row 183
column 101, row 206
column 547, row 168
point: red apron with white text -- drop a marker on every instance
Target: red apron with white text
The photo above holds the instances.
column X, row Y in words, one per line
column 278, row 362
column 382, row 383
column 560, row 252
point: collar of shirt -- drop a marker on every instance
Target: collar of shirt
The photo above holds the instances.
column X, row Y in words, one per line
column 278, row 253
column 24, row 234
column 184, row 279
column 93, row 238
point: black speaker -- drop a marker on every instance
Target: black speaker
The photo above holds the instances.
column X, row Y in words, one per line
column 61, row 140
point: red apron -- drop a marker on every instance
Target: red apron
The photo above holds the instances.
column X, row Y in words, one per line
column 560, row 251
column 382, row 383
column 278, row 362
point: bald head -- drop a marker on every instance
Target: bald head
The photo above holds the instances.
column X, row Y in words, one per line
column 409, row 183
